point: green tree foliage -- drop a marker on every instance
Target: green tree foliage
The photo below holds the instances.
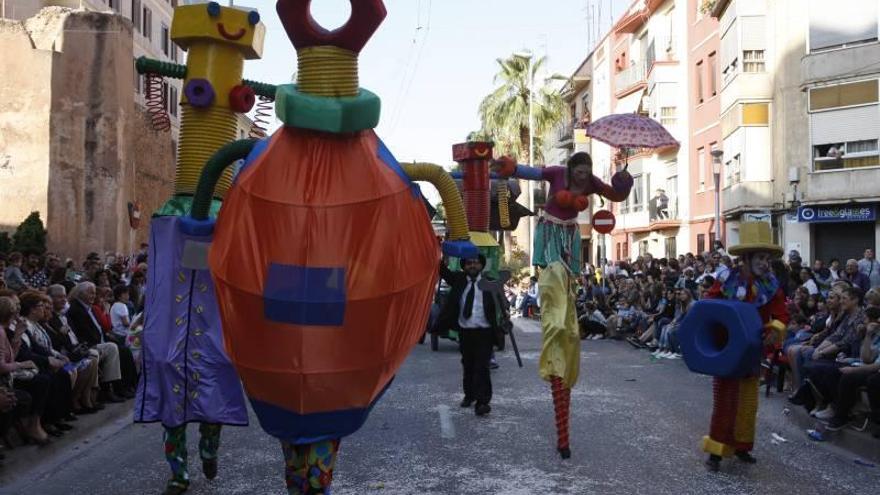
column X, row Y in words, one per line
column 30, row 236
column 505, row 112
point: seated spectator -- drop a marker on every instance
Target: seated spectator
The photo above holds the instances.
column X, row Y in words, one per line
column 34, row 273
column 808, row 281
column 593, row 324
column 101, row 309
column 865, row 372
column 530, row 298
column 798, row 354
column 852, row 275
column 20, row 378
column 36, row 346
column 13, row 275
column 822, row 370
column 87, row 329
column 119, row 312
column 87, row 359
column 668, row 344
column 823, row 277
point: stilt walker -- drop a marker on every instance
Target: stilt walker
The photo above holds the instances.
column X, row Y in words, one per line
column 557, row 249
column 725, row 336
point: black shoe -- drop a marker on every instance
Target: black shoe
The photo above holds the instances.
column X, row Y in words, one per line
column 63, row 426
column 493, row 365
column 70, row 417
column 565, row 452
column 713, row 463
column 174, row 490
column 466, row 402
column 837, row 423
column 746, row 457
column 209, row 467
column 53, row 432
column 482, row 409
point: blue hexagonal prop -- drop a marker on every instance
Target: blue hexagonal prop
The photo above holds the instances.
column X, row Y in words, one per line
column 722, row 338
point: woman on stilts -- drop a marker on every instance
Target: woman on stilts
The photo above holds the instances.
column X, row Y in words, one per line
column 557, row 250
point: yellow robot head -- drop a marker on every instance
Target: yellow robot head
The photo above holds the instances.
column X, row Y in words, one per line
column 208, row 21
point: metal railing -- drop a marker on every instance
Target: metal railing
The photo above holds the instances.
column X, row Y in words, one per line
column 628, row 78
column 657, row 214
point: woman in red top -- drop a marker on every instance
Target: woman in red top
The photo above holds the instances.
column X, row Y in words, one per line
column 101, row 308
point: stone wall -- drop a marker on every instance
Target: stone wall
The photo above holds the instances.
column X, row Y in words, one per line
column 77, row 147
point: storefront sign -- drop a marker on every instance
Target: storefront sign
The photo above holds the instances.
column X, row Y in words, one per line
column 836, row 213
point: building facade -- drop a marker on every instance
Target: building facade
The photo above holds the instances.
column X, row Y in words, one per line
column 648, row 76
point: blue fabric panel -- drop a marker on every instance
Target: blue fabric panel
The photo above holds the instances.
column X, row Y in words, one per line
column 255, row 153
column 387, row 158
column 303, row 295
column 310, row 428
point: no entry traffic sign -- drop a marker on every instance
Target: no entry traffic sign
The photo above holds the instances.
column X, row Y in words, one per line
column 604, row 221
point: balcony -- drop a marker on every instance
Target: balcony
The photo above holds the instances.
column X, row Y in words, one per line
column 660, row 49
column 565, row 135
column 661, row 217
column 747, row 195
column 629, row 79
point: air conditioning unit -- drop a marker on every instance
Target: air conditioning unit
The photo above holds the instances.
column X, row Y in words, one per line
column 794, row 174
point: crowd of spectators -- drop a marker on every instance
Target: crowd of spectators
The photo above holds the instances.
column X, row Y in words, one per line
column 833, row 340
column 69, row 340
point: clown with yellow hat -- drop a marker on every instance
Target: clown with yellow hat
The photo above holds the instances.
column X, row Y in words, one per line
column 735, row 407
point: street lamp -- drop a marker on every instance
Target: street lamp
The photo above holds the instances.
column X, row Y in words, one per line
column 527, row 55
column 716, row 173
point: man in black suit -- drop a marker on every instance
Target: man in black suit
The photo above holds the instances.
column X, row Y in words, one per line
column 472, row 312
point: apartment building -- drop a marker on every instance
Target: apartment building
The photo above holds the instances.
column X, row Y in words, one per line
column 703, row 103
column 801, row 122
column 648, row 76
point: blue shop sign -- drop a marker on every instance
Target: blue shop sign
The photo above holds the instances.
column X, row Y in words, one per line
column 837, row 213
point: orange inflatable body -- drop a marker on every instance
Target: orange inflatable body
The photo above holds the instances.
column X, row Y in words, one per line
column 317, row 313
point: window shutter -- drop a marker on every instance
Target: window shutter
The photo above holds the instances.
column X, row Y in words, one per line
column 834, row 23
column 729, row 46
column 848, row 124
column 754, row 33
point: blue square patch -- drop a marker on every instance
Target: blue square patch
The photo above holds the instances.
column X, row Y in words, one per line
column 303, row 295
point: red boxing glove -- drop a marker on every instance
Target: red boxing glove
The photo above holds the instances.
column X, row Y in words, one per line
column 581, row 202
column 564, row 198
column 505, row 166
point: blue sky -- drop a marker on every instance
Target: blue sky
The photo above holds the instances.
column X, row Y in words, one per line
column 432, row 61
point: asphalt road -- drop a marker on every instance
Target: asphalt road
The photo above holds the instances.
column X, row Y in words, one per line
column 636, row 426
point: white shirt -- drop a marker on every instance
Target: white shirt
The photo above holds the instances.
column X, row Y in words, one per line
column 811, row 286
column 721, row 273
column 478, row 316
column 118, row 317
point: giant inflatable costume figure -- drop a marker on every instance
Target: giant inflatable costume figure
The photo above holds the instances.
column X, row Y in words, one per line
column 724, row 336
column 557, row 248
column 313, row 320
column 187, row 376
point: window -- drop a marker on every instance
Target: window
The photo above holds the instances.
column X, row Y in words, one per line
column 712, row 240
column 734, row 170
column 165, row 95
column 637, row 197
column 713, row 147
column 844, row 95
column 173, row 100
column 114, row 4
column 713, row 79
column 147, row 23
column 618, row 247
column 699, row 82
column 853, row 154
column 671, row 249
column 667, row 116
column 174, row 52
column 643, row 248
column 701, row 243
column 701, row 168
column 842, row 23
column 136, row 15
column 753, row 60
column 166, row 40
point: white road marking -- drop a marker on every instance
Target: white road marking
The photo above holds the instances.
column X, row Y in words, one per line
column 447, row 428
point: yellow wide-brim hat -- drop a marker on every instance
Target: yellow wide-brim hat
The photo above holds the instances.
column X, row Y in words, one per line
column 753, row 237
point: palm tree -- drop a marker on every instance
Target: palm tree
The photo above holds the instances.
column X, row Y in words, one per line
column 505, row 112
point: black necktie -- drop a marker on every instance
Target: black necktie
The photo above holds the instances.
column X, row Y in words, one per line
column 469, row 302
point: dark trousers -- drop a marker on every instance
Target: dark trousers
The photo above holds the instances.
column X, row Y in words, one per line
column 476, row 351
column 126, row 361
column 824, row 374
column 38, row 390
column 848, row 392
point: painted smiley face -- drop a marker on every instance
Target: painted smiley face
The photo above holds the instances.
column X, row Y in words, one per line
column 214, row 10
